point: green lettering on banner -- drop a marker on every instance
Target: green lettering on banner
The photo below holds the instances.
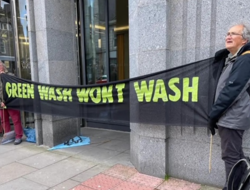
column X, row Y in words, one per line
column 107, row 94
column 119, row 88
column 160, row 91
column 30, row 91
column 52, row 95
column 43, row 92
column 59, row 93
column 19, row 90
column 144, row 90
column 8, row 89
column 171, row 84
column 24, row 90
column 14, row 90
column 83, row 94
column 190, row 89
column 96, row 99
column 67, row 95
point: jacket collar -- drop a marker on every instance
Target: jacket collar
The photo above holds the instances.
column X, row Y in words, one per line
column 223, row 53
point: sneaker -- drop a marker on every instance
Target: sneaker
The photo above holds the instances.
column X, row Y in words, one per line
column 17, row 141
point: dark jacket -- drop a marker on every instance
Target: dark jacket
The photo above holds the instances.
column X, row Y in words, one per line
column 231, row 107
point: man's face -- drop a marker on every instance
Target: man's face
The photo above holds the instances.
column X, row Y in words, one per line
column 234, row 39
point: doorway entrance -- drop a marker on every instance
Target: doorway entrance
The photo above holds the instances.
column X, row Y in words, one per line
column 104, row 49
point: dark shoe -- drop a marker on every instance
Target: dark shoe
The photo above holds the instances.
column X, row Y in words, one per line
column 17, row 141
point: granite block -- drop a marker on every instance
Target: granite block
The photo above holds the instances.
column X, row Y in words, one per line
column 59, row 15
column 149, row 2
column 60, row 45
column 152, row 26
column 152, row 61
column 152, row 158
column 42, row 46
column 30, row 15
column 133, row 59
column 149, row 130
column 133, row 36
column 57, row 132
column 63, row 72
column 133, row 7
column 33, row 46
column 40, row 15
column 189, row 160
column 134, row 148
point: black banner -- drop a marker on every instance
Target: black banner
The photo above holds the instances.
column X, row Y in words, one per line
column 180, row 96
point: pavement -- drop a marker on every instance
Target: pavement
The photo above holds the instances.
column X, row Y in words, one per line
column 104, row 164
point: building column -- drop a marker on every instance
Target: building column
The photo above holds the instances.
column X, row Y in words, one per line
column 54, row 61
column 148, row 52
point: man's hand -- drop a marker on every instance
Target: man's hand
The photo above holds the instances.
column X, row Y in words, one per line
column 3, row 105
column 212, row 126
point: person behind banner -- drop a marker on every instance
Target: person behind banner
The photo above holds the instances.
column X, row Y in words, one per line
column 230, row 113
column 5, row 113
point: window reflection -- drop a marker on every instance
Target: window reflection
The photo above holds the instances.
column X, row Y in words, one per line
column 118, row 40
column 23, row 38
column 23, row 47
column 6, row 37
column 95, row 39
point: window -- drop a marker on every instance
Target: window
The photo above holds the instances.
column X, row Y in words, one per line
column 2, row 46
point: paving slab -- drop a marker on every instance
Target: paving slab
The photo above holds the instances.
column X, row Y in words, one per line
column 22, row 184
column 59, row 172
column 90, row 173
column 116, row 145
column 43, row 159
column 14, row 171
column 19, row 154
column 66, row 185
column 122, row 158
column 96, row 154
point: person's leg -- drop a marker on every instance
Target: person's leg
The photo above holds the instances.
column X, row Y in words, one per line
column 231, row 147
column 15, row 116
column 5, row 120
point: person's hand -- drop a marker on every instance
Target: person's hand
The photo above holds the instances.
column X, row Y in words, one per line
column 212, row 126
column 1, row 71
column 2, row 105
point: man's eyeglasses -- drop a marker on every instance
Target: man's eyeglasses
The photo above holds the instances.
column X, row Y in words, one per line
column 233, row 34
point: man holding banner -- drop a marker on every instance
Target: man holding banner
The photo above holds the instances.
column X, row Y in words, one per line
column 5, row 113
column 231, row 109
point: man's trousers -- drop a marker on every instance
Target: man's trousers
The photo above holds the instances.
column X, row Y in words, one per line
column 231, row 147
column 16, row 118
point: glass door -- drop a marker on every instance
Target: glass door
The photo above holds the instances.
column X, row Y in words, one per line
column 105, row 56
column 22, row 49
column 7, row 50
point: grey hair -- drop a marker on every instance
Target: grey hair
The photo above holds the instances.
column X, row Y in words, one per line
column 246, row 32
